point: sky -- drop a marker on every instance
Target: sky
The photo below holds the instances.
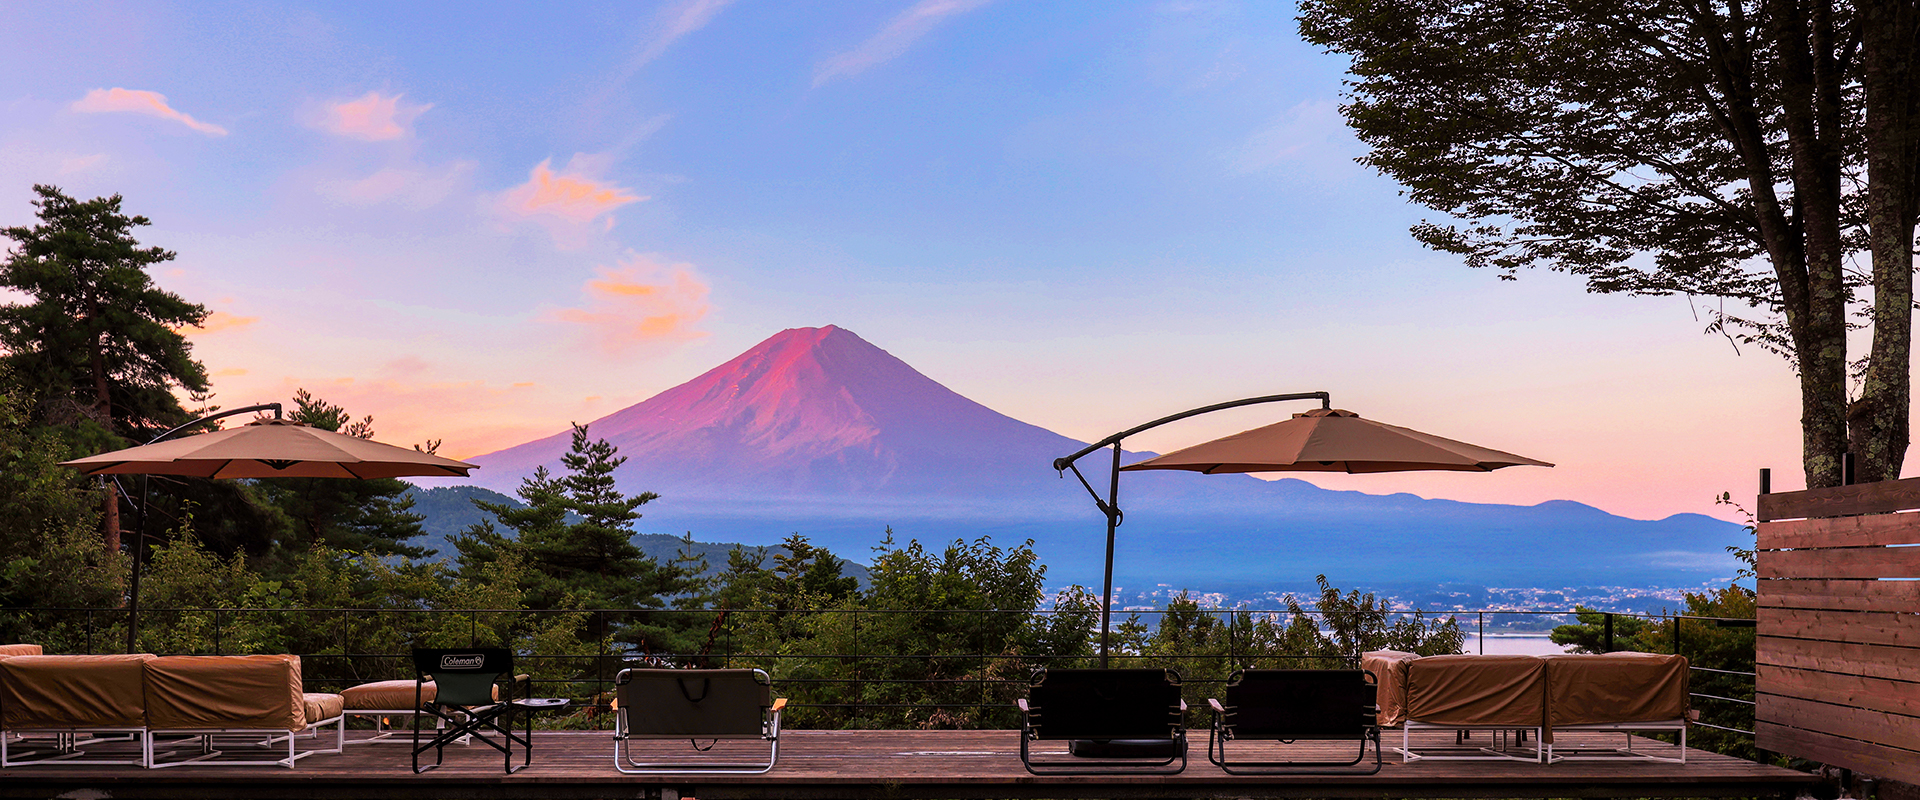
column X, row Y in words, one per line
column 478, row 222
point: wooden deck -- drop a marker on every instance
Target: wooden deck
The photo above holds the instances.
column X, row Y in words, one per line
column 888, row 764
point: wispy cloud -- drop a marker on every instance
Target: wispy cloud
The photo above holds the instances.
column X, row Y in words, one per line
column 413, row 187
column 640, row 301
column 899, row 34
column 673, row 22
column 1310, row 131
column 137, row 101
column 220, row 321
column 373, row 117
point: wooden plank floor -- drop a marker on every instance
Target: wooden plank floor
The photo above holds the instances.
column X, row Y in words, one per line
column 891, row 764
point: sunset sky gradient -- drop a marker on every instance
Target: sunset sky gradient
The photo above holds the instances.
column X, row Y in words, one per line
column 480, row 222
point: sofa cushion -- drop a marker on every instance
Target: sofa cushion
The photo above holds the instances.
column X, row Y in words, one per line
column 72, row 692
column 200, row 692
column 20, row 650
column 319, row 707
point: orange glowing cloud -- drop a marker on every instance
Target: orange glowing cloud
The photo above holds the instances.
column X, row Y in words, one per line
column 372, row 117
column 571, row 195
column 641, row 301
column 136, row 101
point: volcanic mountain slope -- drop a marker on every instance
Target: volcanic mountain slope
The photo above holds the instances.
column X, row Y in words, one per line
column 818, row 432
column 814, row 415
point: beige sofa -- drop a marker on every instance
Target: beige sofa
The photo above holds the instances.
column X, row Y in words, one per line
column 174, row 708
column 1622, row 692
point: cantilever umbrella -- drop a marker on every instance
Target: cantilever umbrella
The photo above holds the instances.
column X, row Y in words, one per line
column 271, row 448
column 1323, row 440
column 263, row 448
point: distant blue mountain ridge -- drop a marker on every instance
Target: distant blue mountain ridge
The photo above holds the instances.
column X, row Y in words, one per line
column 817, row 431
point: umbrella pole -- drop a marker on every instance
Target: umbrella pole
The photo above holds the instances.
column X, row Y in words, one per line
column 133, row 591
column 1113, row 521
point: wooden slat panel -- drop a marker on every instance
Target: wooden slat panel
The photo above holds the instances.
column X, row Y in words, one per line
column 1872, row 759
column 1876, row 529
column 1866, row 627
column 1879, row 727
column 1873, row 661
column 1846, row 562
column 1841, row 595
column 1873, row 694
column 1841, row 501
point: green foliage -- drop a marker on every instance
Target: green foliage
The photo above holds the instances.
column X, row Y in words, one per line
column 374, row 516
column 97, row 341
column 1589, row 634
column 941, row 633
column 1707, row 149
column 574, row 536
column 50, row 554
column 1206, row 645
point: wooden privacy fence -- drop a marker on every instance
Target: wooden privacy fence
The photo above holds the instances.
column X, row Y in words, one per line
column 1838, row 652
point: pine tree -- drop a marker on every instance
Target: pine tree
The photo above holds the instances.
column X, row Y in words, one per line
column 371, row 516
column 96, row 349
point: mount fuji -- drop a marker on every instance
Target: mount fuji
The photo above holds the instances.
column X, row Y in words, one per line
column 818, row 431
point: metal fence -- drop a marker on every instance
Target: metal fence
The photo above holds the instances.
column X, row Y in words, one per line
column 972, row 677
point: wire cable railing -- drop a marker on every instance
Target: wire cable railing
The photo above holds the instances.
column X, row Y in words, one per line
column 983, row 659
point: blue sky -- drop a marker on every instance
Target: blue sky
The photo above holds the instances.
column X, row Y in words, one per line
column 477, row 222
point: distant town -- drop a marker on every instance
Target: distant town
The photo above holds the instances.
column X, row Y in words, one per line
column 1507, row 609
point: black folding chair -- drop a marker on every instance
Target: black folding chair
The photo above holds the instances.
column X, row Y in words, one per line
column 465, row 700
column 695, row 704
column 1115, row 721
column 1293, row 705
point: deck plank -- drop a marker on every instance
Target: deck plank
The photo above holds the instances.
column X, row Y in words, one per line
column 894, row 764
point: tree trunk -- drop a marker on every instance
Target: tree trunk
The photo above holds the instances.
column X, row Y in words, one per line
column 103, row 413
column 1810, row 83
column 1878, row 421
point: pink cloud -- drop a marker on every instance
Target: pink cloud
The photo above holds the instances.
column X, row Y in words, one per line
column 571, row 195
column 372, row 117
column 639, row 302
column 136, row 101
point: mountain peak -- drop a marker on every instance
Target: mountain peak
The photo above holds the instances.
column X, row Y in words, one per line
column 808, row 411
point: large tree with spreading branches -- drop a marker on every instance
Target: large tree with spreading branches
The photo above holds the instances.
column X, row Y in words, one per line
column 93, row 345
column 1748, row 150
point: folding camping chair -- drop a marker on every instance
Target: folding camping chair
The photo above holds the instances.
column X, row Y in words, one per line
column 464, row 702
column 695, row 704
column 1124, row 721
column 1290, row 705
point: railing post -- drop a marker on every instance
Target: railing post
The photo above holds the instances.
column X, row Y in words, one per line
column 1606, row 638
column 89, row 631
column 1483, row 631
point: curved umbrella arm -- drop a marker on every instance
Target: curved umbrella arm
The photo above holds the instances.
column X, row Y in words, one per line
column 1061, row 464
column 211, row 417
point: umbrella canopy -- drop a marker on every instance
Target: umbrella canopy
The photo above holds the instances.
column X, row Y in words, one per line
column 270, row 448
column 1333, row 440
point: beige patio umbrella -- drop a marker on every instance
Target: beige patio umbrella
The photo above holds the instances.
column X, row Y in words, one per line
column 263, row 448
column 1333, row 440
column 271, row 448
column 1323, row 440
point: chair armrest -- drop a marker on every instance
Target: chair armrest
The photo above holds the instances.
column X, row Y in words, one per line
column 1022, row 703
column 1215, row 705
column 522, row 683
column 778, row 704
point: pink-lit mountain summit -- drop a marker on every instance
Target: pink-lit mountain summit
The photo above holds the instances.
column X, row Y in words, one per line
column 815, row 414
